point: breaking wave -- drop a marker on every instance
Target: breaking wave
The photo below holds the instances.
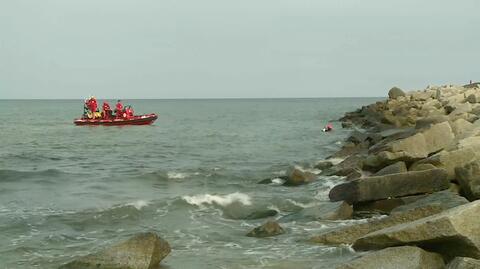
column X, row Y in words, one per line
column 222, row 200
column 176, row 175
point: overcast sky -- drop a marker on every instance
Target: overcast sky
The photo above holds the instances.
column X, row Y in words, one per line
column 232, row 49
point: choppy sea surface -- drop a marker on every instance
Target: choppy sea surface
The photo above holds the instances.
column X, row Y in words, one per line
column 67, row 191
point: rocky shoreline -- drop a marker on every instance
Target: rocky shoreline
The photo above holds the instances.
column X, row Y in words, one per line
column 412, row 172
column 415, row 160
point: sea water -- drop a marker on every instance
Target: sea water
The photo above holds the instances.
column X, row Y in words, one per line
column 67, row 191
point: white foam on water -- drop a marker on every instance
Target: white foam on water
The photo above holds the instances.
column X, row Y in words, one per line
column 278, row 181
column 176, row 175
column 302, row 205
column 309, row 170
column 222, row 200
column 336, row 161
column 314, row 171
column 139, row 204
column 326, row 184
column 273, row 207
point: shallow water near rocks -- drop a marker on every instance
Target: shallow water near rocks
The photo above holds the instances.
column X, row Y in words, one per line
column 67, row 191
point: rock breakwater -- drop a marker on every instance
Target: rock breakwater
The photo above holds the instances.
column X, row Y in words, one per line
column 414, row 157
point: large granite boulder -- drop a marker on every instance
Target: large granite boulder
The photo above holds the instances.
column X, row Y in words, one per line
column 443, row 199
column 398, row 167
column 449, row 160
column 412, row 148
column 438, row 136
column 326, row 211
column 469, row 178
column 348, row 234
column 461, row 127
column 460, row 108
column 395, row 92
column 454, row 232
column 422, row 95
column 422, row 167
column 464, row 263
column 472, row 143
column 270, row 228
column 325, row 164
column 472, row 99
column 394, row 185
column 383, row 207
column 143, row 251
column 346, row 167
column 349, row 149
column 396, row 258
column 429, row 121
column 296, row 176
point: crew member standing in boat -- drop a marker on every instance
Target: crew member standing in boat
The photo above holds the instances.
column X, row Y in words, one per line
column 107, row 111
column 119, row 109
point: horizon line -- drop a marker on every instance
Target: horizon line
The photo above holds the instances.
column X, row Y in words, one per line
column 194, row 98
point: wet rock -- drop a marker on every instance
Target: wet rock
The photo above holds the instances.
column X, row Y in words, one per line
column 261, row 214
column 355, row 174
column 395, row 92
column 346, row 167
column 270, row 228
column 350, row 149
column 451, row 233
column 464, row 263
column 326, row 211
column 278, row 180
column 469, row 178
column 397, row 257
column 385, row 206
column 398, row 167
column 443, row 199
column 349, row 234
column 322, row 165
column 297, row 176
column 395, row 185
column 143, row 251
column 347, row 124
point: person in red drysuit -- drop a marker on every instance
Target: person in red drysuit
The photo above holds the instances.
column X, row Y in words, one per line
column 328, row 127
column 106, row 110
column 92, row 104
column 119, row 109
column 128, row 112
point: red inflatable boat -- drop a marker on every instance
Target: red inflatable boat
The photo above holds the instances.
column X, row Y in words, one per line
column 135, row 120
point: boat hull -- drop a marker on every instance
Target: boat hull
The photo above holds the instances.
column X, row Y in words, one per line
column 136, row 120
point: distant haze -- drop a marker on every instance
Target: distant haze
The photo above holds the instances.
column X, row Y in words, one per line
column 234, row 49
